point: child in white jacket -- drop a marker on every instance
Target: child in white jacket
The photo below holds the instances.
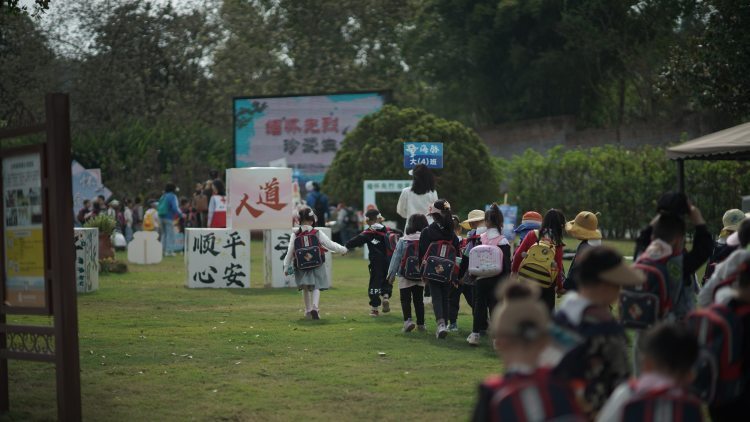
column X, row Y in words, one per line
column 307, row 267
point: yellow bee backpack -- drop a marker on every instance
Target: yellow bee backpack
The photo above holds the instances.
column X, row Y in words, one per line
column 539, row 263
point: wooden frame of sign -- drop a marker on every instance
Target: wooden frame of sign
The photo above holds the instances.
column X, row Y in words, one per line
column 57, row 343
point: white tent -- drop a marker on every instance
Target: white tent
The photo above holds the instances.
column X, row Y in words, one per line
column 727, row 144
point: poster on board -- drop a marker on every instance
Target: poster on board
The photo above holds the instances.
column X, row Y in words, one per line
column 259, row 198
column 24, row 234
column 305, row 130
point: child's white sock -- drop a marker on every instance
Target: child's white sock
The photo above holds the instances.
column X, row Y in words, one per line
column 315, row 299
column 308, row 299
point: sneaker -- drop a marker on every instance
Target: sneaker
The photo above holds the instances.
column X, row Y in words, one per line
column 453, row 327
column 441, row 332
column 314, row 314
column 473, row 339
column 386, row 305
column 308, row 315
column 374, row 313
column 409, row 326
column 421, row 328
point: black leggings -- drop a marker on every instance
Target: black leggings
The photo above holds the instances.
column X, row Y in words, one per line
column 484, row 302
column 455, row 299
column 548, row 297
column 409, row 295
column 440, row 296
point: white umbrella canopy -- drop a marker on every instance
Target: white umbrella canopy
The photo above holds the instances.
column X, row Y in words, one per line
column 727, row 144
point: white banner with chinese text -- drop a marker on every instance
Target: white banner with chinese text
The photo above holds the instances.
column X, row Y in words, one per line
column 259, row 198
column 217, row 258
column 86, row 243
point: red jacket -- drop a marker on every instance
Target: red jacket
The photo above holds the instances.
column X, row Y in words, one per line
column 528, row 241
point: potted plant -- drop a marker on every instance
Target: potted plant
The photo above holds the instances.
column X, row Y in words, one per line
column 106, row 225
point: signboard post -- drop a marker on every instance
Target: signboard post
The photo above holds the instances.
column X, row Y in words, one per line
column 429, row 154
column 38, row 261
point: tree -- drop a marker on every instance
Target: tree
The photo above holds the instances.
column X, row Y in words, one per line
column 144, row 61
column 374, row 150
column 714, row 63
column 27, row 70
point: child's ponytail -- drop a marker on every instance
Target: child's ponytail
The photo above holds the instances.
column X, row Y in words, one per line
column 494, row 217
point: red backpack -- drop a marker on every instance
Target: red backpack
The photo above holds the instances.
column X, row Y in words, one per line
column 308, row 253
column 439, row 262
column 669, row 403
column 409, row 266
column 536, row 397
column 719, row 370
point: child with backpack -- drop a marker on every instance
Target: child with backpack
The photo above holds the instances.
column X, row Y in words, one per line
column 305, row 258
column 585, row 228
column 731, row 221
column 661, row 296
column 723, row 330
column 151, row 217
column 718, row 286
column 593, row 343
column 405, row 264
column 662, row 392
column 525, row 392
column 465, row 285
column 380, row 245
column 538, row 258
column 489, row 262
column 438, row 249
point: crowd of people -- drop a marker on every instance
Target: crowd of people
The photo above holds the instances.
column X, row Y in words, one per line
column 563, row 336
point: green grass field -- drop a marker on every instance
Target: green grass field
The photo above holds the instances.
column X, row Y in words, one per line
column 153, row 350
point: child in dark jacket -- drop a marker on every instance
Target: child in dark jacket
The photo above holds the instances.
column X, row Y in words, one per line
column 375, row 236
column 441, row 229
column 485, row 287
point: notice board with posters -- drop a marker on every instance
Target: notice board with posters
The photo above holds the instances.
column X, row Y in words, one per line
column 23, row 249
column 305, row 130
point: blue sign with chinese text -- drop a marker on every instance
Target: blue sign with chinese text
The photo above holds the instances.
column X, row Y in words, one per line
column 428, row 153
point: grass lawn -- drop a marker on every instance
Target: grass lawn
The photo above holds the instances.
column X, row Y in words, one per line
column 154, row 350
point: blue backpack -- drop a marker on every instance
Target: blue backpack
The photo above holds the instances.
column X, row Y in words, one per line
column 440, row 262
column 643, row 306
column 308, row 254
column 663, row 405
column 409, row 265
column 719, row 370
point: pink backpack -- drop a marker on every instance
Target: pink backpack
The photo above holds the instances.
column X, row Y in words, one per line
column 486, row 260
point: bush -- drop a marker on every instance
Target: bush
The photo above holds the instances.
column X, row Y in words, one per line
column 374, row 150
column 105, row 223
column 622, row 184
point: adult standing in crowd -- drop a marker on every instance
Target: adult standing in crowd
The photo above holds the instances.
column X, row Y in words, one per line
column 138, row 214
column 318, row 201
column 169, row 210
column 417, row 198
column 127, row 214
column 84, row 213
column 217, row 207
column 200, row 204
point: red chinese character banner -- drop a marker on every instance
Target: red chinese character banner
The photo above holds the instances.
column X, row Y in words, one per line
column 307, row 131
column 260, row 198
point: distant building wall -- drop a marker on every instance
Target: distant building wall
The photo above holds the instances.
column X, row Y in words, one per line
column 542, row 134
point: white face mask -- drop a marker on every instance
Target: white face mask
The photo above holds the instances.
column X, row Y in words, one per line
column 481, row 229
